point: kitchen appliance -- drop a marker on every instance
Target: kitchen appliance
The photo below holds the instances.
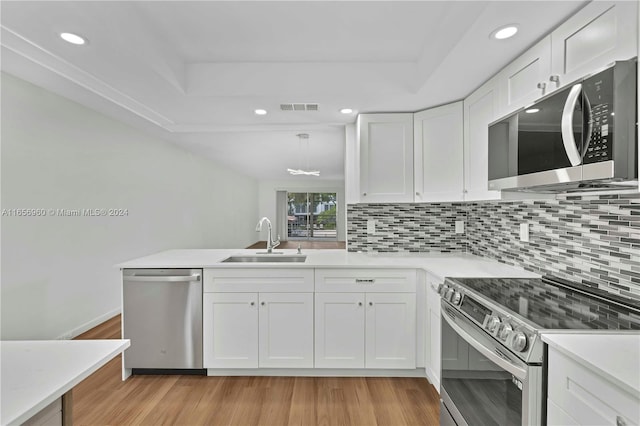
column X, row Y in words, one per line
column 493, row 359
column 162, row 316
column 583, row 137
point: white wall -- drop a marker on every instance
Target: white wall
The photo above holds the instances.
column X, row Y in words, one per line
column 58, row 276
column 267, row 206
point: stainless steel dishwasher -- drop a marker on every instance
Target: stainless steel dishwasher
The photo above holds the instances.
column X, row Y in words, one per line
column 162, row 316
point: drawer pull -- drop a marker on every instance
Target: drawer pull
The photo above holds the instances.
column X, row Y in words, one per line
column 365, row 280
column 620, row 421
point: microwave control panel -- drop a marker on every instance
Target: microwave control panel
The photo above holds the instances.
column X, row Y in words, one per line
column 599, row 148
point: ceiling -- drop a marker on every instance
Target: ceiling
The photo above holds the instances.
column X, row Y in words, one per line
column 193, row 72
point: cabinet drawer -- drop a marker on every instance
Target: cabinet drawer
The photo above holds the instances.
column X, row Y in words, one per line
column 586, row 396
column 365, row 280
column 258, row 280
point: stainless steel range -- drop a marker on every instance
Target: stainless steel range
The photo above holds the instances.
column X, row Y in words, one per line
column 493, row 359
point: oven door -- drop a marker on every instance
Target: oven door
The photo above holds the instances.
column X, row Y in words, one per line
column 482, row 382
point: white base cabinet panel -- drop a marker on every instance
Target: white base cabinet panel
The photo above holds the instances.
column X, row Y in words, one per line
column 339, row 330
column 230, row 330
column 365, row 330
column 432, row 338
column 251, row 330
column 579, row 395
column 390, row 330
column 286, row 330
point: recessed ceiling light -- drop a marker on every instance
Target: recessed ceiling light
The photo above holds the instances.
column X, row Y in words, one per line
column 505, row 32
column 73, row 38
column 260, row 111
column 532, row 110
column 346, row 110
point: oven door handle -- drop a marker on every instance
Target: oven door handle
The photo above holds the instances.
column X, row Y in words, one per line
column 501, row 361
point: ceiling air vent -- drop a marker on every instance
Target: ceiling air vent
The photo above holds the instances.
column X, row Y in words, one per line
column 299, row 107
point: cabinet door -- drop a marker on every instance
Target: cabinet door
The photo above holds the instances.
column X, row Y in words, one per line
column 525, row 79
column 479, row 110
column 600, row 33
column 339, row 330
column 286, row 330
column 438, row 153
column 386, row 157
column 230, row 330
column 390, row 327
column 586, row 396
column 432, row 352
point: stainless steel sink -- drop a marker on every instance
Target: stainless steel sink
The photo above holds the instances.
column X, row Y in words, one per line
column 266, row 258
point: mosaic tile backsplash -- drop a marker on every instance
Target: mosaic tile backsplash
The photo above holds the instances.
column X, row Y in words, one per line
column 590, row 239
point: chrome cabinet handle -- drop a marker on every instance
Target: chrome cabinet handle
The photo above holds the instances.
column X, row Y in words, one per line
column 359, row 303
column 542, row 85
column 620, row 421
column 365, row 280
column 252, row 303
column 262, row 303
column 418, row 194
column 370, row 303
column 364, row 194
column 555, row 79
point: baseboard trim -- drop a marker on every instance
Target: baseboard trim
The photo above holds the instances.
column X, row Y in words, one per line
column 316, row 372
column 88, row 325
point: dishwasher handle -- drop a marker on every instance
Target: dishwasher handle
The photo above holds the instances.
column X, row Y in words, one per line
column 160, row 278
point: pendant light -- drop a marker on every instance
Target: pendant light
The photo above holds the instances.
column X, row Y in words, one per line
column 298, row 172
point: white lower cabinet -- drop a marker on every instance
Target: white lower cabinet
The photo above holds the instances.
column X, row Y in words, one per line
column 578, row 395
column 365, row 330
column 432, row 339
column 339, row 330
column 230, row 330
column 390, row 330
column 286, row 330
column 258, row 330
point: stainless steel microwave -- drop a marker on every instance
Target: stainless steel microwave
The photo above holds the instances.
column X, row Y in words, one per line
column 583, row 137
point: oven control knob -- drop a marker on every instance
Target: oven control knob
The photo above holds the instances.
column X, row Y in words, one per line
column 492, row 323
column 456, row 298
column 505, row 332
column 519, row 343
column 443, row 290
column 449, row 293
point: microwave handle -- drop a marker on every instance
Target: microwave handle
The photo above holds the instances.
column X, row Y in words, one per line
column 587, row 115
column 568, row 139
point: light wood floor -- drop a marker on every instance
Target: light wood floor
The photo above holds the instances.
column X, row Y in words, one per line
column 303, row 245
column 103, row 399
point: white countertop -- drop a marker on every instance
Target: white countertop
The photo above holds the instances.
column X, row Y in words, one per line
column 613, row 356
column 439, row 264
column 36, row 373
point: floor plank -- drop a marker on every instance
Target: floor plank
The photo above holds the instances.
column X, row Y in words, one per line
column 104, row 399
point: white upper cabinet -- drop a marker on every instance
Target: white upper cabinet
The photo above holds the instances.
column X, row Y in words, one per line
column 600, row 33
column 438, row 153
column 386, row 157
column 480, row 109
column 525, row 79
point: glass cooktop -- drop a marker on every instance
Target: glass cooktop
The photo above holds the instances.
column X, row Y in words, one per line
column 558, row 305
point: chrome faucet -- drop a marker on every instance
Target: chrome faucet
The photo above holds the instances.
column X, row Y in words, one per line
column 270, row 243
